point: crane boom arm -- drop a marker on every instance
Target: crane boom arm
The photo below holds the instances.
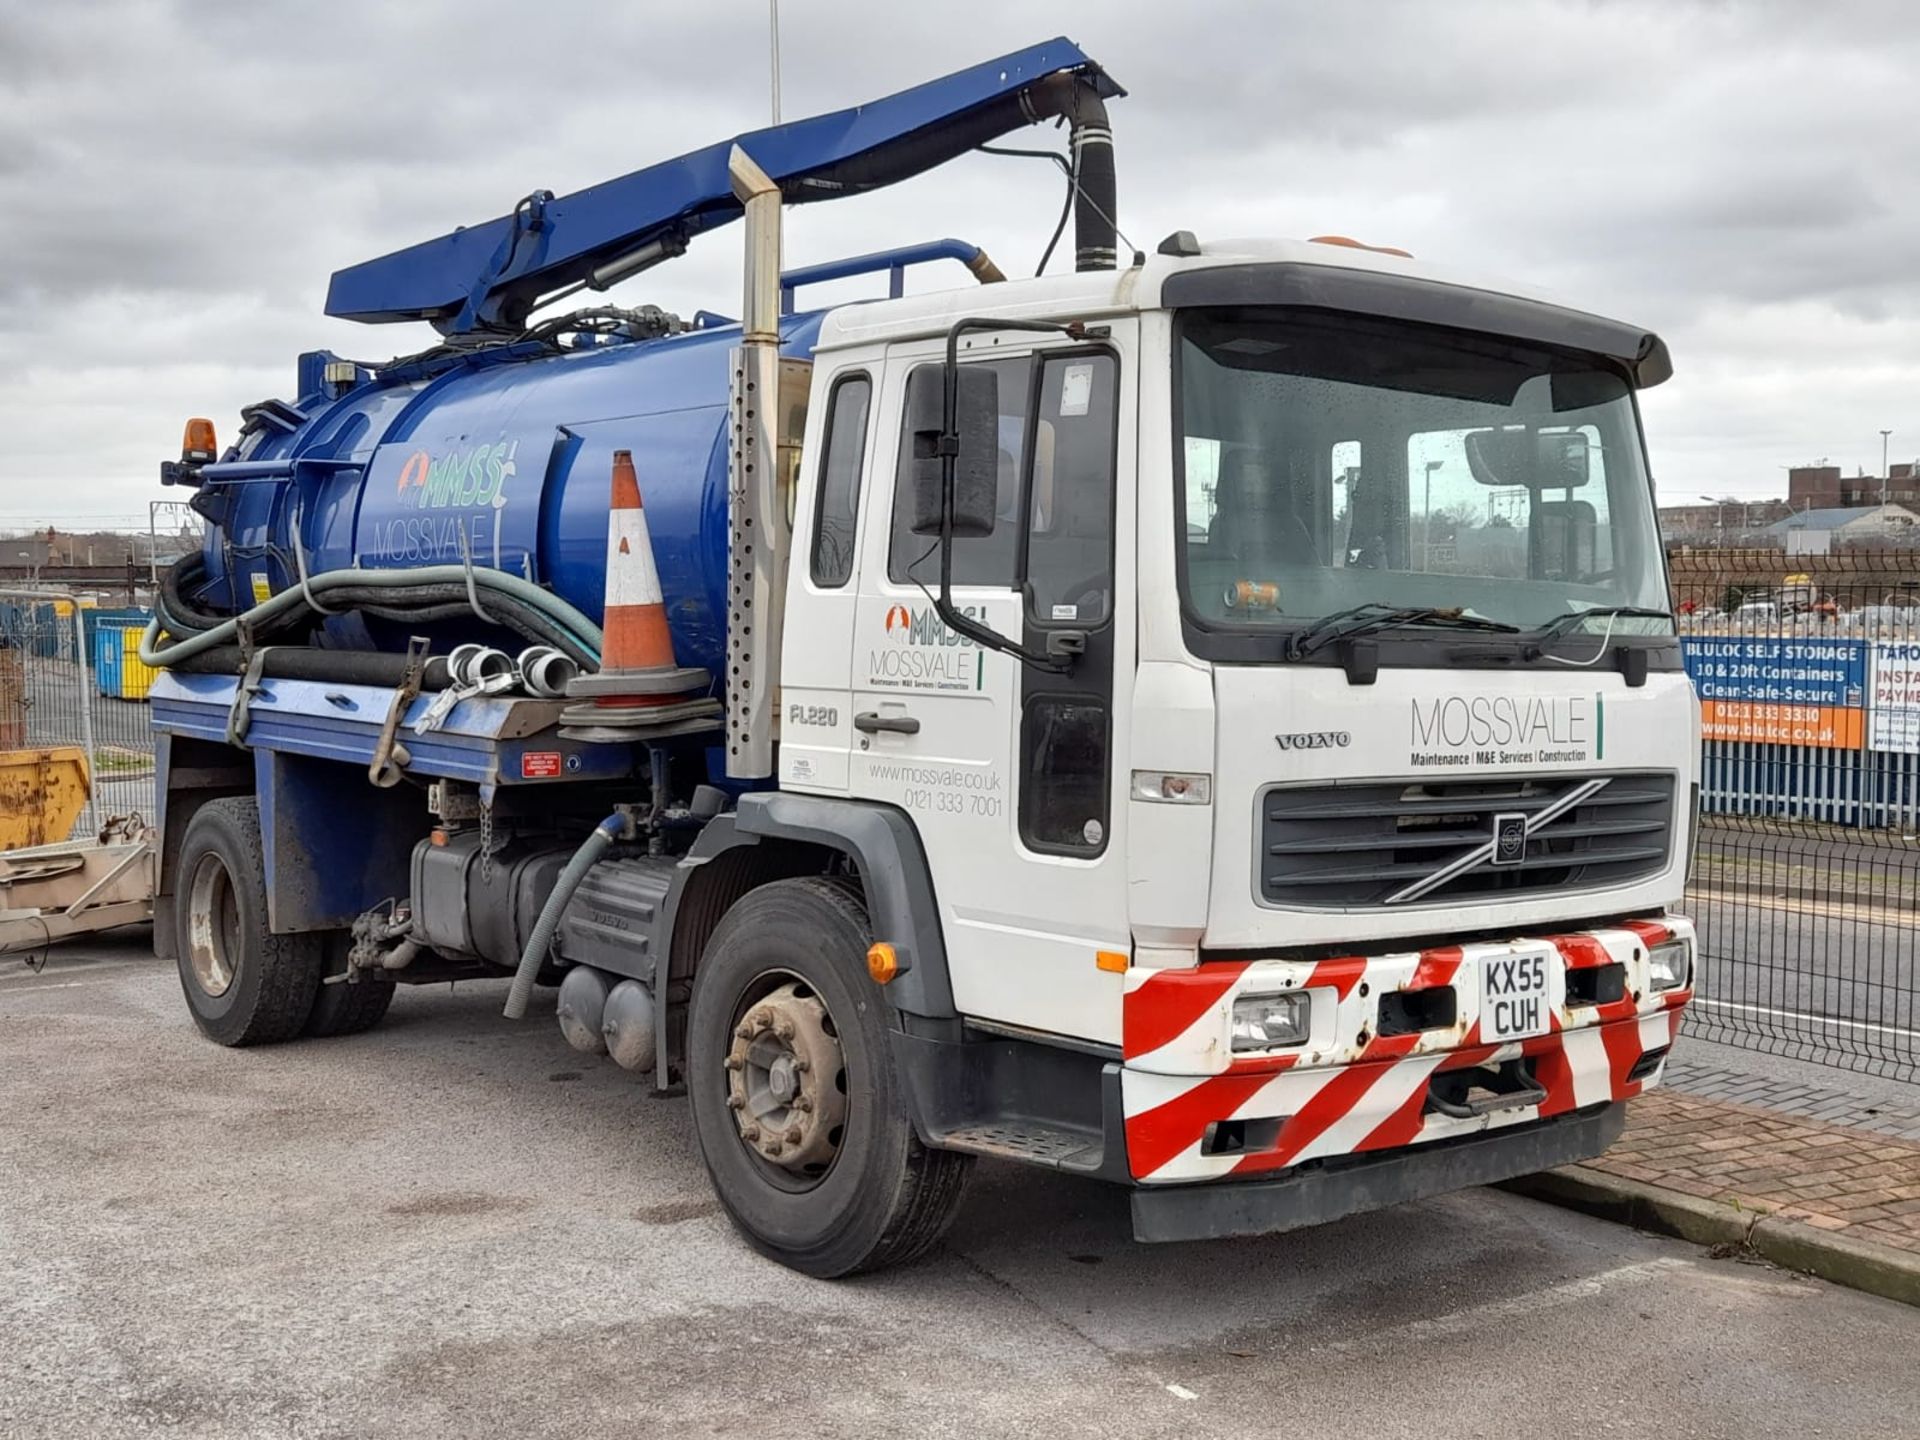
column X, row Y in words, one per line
column 488, row 277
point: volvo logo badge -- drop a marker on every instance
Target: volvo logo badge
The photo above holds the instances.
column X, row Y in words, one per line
column 1315, row 740
column 1509, row 840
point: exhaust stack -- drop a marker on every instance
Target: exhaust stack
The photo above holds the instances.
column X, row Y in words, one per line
column 756, row 517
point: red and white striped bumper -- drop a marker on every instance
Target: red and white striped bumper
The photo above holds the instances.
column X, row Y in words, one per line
column 1349, row 1089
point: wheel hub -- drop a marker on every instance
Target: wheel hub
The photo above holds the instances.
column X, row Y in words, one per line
column 213, row 923
column 784, row 1080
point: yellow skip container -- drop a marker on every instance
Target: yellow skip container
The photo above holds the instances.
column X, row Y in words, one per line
column 42, row 792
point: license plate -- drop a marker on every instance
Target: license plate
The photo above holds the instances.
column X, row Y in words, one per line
column 1513, row 997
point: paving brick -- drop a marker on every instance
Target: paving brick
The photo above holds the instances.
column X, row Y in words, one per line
column 1861, row 1214
column 1826, row 1222
column 1804, row 1166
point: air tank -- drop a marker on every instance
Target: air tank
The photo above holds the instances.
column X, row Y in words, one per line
column 502, row 457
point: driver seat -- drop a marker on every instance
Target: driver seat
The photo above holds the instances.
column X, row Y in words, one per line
column 1254, row 521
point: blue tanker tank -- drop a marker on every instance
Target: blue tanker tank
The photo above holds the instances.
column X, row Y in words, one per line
column 492, row 452
column 500, row 458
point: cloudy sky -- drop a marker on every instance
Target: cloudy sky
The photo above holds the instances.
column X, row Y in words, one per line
column 178, row 178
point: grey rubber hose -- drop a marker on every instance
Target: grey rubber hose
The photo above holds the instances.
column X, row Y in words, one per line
column 584, row 859
column 577, row 625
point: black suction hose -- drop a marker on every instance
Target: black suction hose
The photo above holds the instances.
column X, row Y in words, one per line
column 1094, row 238
column 1095, row 203
column 303, row 662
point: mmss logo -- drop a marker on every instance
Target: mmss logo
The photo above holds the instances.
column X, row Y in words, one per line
column 1315, row 740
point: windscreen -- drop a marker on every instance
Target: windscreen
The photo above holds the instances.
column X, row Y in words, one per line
column 1327, row 462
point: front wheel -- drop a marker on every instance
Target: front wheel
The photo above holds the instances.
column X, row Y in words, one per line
column 796, row 1103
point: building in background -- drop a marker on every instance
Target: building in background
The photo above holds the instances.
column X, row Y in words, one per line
column 23, row 552
column 1818, row 531
column 1823, row 487
column 1721, row 522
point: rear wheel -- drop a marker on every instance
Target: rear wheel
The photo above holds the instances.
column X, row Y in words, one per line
column 796, row 1103
column 243, row 985
column 346, row 1007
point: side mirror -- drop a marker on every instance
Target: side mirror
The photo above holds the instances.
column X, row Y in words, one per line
column 976, row 462
column 1554, row 461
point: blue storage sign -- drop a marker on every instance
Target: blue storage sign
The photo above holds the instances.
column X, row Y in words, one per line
column 1777, row 671
column 1778, row 691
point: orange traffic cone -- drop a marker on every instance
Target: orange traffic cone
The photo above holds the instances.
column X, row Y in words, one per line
column 639, row 686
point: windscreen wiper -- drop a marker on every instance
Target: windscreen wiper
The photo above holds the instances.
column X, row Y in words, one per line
column 1374, row 616
column 1562, row 624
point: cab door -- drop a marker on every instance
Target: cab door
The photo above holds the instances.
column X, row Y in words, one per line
column 816, row 697
column 1008, row 771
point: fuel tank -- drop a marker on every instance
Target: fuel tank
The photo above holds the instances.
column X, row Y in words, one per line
column 501, row 456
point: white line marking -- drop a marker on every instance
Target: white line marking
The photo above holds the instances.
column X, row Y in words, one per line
column 1815, row 1019
column 1181, row 1392
column 1893, row 913
column 56, row 985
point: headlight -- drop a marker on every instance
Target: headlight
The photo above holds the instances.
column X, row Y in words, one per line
column 1262, row 1022
column 1671, row 964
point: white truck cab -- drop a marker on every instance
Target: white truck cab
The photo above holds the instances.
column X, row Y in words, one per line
column 1376, row 736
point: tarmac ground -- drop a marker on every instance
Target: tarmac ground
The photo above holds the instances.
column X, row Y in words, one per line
column 454, row 1225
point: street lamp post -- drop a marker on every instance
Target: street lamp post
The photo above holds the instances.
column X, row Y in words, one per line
column 773, row 46
column 1885, row 435
column 1719, row 504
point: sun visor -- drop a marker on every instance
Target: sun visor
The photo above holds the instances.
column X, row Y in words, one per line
column 1420, row 301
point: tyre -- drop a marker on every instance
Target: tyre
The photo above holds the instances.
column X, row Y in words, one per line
column 243, row 985
column 796, row 1104
column 342, row 1008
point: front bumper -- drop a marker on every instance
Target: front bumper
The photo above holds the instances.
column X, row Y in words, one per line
column 1193, row 1110
column 1339, row 1188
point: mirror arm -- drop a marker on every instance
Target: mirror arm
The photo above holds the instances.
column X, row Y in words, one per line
column 1061, row 651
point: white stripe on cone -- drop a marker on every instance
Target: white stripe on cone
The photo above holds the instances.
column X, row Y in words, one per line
column 631, row 576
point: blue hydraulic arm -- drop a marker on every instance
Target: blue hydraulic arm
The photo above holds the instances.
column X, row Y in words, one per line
column 894, row 262
column 488, row 277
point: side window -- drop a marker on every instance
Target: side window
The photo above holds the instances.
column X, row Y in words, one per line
column 835, row 520
column 977, row 560
column 1069, row 567
column 1063, row 784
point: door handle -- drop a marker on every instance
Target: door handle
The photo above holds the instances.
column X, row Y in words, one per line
column 870, row 722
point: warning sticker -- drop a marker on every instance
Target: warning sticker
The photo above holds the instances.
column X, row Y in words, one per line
column 540, row 765
column 1076, row 389
column 262, row 589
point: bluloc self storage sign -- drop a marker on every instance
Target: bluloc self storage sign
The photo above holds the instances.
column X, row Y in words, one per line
column 1771, row 691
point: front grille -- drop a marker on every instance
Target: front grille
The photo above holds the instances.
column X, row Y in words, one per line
column 1362, row 845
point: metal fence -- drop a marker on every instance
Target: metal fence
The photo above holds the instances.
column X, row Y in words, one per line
column 1807, row 943
column 1807, row 875
column 69, row 677
column 1809, row 682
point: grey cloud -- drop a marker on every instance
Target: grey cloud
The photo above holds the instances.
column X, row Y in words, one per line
column 178, row 180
